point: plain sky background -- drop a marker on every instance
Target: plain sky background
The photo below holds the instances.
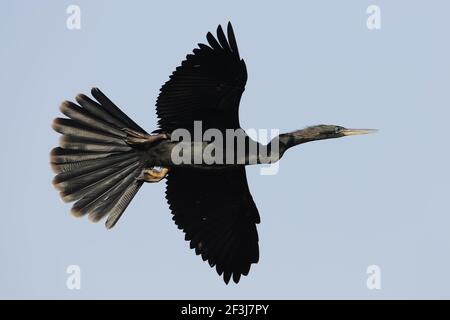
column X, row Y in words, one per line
column 334, row 208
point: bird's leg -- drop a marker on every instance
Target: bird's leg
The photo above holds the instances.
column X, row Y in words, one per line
column 143, row 139
column 153, row 175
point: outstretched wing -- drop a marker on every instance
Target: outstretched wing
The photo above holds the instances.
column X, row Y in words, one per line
column 216, row 211
column 214, row 208
column 206, row 87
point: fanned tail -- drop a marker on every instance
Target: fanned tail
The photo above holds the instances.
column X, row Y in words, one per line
column 94, row 164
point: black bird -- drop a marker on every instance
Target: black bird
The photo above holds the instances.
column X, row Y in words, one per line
column 104, row 157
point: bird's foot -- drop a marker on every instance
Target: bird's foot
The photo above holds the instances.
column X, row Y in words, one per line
column 153, row 175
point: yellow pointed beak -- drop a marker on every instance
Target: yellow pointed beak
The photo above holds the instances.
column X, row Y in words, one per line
column 353, row 132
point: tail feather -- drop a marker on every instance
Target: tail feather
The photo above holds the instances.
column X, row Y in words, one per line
column 73, row 128
column 59, row 155
column 100, row 191
column 77, row 183
column 114, row 110
column 94, row 164
column 98, row 111
column 121, row 204
column 75, row 169
column 99, row 206
column 73, row 143
column 85, row 118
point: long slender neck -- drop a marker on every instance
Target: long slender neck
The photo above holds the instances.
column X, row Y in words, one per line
column 276, row 148
column 291, row 139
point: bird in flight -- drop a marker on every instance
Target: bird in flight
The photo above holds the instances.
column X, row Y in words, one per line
column 104, row 157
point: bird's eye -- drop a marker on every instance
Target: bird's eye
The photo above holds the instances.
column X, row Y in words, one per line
column 338, row 129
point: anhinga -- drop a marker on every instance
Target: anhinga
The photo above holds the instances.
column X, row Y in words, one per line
column 104, row 157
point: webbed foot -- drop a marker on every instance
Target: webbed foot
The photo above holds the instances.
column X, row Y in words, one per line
column 153, row 175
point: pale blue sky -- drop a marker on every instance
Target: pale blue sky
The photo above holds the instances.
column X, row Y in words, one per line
column 334, row 208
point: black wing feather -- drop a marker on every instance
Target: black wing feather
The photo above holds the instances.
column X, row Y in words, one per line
column 206, row 87
column 216, row 211
column 214, row 208
column 232, row 41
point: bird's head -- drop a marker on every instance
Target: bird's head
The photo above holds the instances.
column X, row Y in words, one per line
column 323, row 131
